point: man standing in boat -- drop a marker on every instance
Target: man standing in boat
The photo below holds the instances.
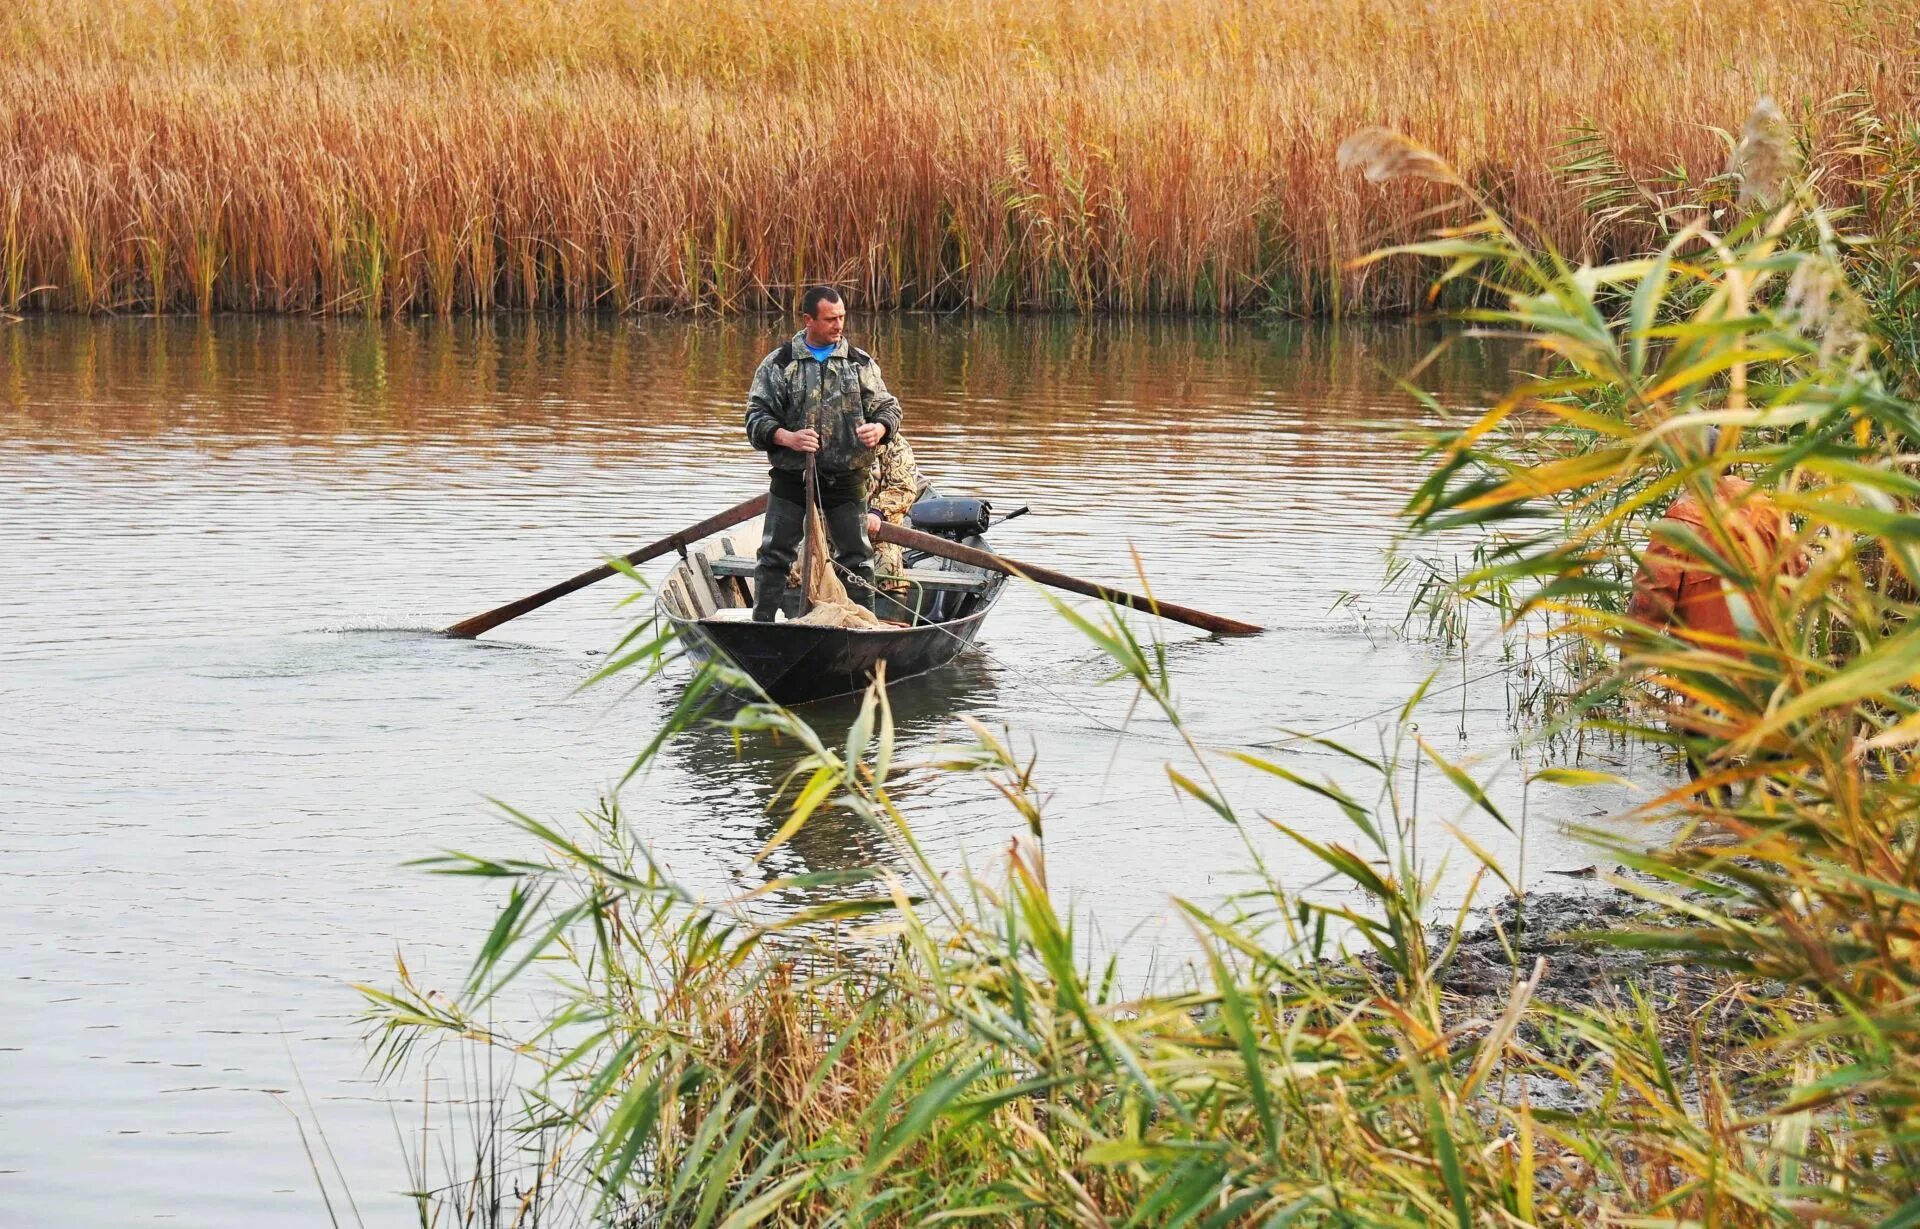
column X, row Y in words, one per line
column 818, row 395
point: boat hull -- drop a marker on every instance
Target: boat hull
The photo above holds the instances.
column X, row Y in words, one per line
column 795, row 663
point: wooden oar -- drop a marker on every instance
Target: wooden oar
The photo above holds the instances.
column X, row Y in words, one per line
column 973, row 556
column 467, row 629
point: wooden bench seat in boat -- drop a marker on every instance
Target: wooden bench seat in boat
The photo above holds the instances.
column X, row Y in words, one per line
column 931, row 579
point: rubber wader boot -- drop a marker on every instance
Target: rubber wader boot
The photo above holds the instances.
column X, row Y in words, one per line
column 847, row 532
column 779, row 547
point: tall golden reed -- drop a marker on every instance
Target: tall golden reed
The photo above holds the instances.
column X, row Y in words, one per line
column 1105, row 155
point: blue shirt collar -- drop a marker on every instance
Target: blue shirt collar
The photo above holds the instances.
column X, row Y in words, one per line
column 839, row 347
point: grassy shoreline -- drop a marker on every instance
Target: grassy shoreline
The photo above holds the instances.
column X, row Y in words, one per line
column 1129, row 156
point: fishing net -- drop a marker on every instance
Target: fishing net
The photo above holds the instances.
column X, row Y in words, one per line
column 827, row 602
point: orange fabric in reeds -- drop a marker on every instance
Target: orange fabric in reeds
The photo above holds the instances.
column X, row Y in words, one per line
column 1673, row 590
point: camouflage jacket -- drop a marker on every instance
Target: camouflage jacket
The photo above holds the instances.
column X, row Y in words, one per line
column 896, row 485
column 896, row 481
column 793, row 390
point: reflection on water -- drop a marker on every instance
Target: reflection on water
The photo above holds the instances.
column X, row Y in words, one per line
column 221, row 746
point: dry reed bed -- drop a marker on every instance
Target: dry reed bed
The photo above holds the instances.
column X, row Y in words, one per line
column 1129, row 155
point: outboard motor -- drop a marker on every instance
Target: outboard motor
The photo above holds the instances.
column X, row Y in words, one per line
column 957, row 520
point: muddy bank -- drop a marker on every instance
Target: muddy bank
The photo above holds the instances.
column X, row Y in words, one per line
column 1697, row 1009
column 1573, row 932
column 1559, row 927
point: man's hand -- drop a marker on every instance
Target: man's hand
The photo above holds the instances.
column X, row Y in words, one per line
column 873, row 523
column 799, row 441
column 870, row 434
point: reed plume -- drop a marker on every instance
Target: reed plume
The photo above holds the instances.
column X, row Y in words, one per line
column 1763, row 159
column 1381, row 154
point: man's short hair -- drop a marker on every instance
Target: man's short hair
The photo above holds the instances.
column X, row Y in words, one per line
column 816, row 295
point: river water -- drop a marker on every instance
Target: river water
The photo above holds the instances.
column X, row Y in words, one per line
column 224, row 731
